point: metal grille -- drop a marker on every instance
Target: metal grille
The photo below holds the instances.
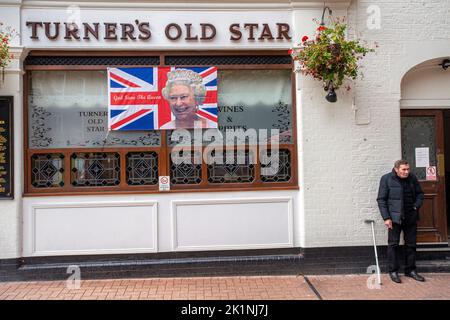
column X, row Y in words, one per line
column 284, row 168
column 226, row 60
column 92, row 61
column 154, row 60
column 187, row 172
column 241, row 170
column 142, row 168
column 47, row 170
column 95, row 169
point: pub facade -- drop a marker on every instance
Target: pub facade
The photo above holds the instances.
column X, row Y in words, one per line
column 73, row 187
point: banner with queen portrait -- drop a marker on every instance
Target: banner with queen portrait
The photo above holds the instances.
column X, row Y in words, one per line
column 153, row 98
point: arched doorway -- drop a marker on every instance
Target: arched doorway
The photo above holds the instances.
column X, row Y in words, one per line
column 425, row 125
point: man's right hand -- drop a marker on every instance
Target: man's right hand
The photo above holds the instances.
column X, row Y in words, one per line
column 388, row 223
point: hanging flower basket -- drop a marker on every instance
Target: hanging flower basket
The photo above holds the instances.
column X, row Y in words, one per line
column 329, row 57
column 6, row 34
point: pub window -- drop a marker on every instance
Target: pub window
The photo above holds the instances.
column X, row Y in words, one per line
column 142, row 168
column 188, row 170
column 283, row 174
column 47, row 170
column 240, row 170
column 95, row 169
column 69, row 148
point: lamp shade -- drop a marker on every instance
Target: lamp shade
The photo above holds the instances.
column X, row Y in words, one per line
column 331, row 95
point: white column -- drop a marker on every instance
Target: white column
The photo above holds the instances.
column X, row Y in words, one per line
column 324, row 155
column 11, row 210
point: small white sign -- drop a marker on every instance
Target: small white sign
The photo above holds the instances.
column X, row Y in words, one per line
column 422, row 157
column 431, row 173
column 164, row 183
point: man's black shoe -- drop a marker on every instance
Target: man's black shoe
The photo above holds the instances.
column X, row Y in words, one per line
column 394, row 277
column 415, row 276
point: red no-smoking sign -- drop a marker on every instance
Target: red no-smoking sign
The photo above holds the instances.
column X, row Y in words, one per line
column 164, row 183
column 431, row 173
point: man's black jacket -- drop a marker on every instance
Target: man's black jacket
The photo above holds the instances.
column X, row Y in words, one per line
column 390, row 196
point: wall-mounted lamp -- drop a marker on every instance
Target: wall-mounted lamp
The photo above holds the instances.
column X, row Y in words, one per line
column 331, row 95
column 322, row 22
column 445, row 64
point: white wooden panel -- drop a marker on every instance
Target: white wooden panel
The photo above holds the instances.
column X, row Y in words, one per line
column 92, row 228
column 232, row 224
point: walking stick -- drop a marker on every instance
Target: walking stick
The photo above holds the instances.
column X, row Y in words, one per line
column 372, row 222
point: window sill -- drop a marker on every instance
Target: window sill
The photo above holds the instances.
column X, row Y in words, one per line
column 134, row 192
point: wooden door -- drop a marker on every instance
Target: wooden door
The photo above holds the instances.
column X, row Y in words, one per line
column 422, row 132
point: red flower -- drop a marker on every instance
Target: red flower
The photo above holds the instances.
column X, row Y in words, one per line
column 321, row 28
column 290, row 51
column 304, row 38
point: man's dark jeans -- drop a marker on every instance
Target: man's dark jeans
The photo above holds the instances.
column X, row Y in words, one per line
column 409, row 227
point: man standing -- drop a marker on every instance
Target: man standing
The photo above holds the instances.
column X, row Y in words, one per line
column 399, row 199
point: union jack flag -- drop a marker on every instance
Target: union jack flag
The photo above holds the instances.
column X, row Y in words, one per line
column 136, row 102
column 208, row 109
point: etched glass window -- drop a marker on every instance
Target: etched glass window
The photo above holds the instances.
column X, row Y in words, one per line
column 142, row 168
column 283, row 174
column 240, row 170
column 67, row 116
column 256, row 99
column 47, row 170
column 69, row 109
column 252, row 99
column 188, row 170
column 95, row 169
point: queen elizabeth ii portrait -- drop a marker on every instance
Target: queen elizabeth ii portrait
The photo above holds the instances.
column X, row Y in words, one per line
column 185, row 92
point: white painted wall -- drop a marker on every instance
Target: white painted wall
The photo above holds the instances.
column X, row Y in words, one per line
column 430, row 83
column 427, row 85
column 368, row 140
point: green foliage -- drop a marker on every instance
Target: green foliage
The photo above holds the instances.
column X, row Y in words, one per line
column 330, row 57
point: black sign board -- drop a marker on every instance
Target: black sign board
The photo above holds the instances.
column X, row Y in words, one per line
column 6, row 148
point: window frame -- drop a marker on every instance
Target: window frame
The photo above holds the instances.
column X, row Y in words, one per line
column 162, row 150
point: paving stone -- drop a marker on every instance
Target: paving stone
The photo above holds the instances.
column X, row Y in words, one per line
column 329, row 287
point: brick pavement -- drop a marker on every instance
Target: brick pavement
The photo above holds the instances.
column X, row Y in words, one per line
column 351, row 287
column 355, row 287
